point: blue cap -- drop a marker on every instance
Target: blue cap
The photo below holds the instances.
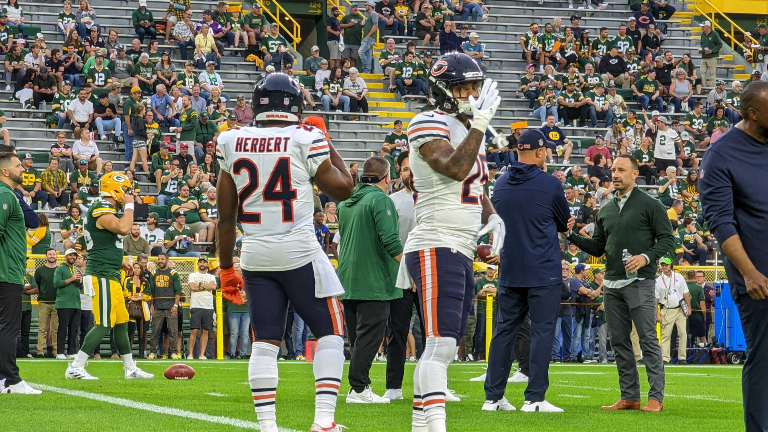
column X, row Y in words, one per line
column 580, row 267
column 533, row 139
column 651, row 70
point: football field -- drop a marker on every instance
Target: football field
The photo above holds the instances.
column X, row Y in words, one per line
column 218, row 398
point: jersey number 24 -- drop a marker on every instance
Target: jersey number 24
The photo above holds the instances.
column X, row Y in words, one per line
column 278, row 188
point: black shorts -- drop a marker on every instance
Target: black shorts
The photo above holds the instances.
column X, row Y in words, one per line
column 423, row 33
column 201, row 319
column 687, row 163
column 269, row 293
column 534, row 55
column 697, row 328
column 662, row 164
column 72, row 125
column 445, row 285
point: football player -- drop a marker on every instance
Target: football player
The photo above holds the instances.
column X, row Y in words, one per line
column 265, row 183
column 449, row 170
column 103, row 232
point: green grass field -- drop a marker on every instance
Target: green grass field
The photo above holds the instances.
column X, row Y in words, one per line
column 219, row 399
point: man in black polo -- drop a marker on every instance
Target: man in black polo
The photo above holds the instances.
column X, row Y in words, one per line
column 633, row 224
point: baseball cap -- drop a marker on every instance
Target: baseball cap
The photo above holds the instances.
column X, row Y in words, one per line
column 204, row 116
column 189, row 63
column 598, row 270
column 706, row 23
column 491, row 166
column 694, row 198
column 120, row 47
column 135, row 89
column 665, row 260
column 315, row 48
column 491, row 267
column 180, row 212
column 761, row 26
column 599, row 137
column 651, row 70
column 184, row 145
column 207, row 12
column 232, row 116
column 202, row 258
column 720, row 82
column 43, row 70
column 371, row 3
column 142, row 2
column 333, row 9
column 654, row 113
column 533, row 139
column 239, row 97
column 210, row 63
column 39, row 36
column 580, row 267
column 756, row 73
column 575, row 17
column 398, row 122
column 585, row 31
column 211, row 144
column 600, row 85
column 83, row 162
column 631, row 19
column 611, row 85
column 70, row 251
column 353, row 4
column 153, row 215
column 28, row 156
column 663, row 119
column 463, row 26
column 688, row 213
column 274, row 24
column 587, row 195
column 474, row 35
column 684, row 135
column 256, row 5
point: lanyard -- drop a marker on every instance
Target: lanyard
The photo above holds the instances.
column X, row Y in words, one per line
column 212, row 78
column 672, row 283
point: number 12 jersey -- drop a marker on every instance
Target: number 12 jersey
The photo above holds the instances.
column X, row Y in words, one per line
column 272, row 168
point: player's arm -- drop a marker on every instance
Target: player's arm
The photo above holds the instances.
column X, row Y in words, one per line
column 227, row 229
column 112, row 223
column 453, row 163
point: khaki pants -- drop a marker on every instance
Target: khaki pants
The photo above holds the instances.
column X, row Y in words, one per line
column 669, row 319
column 635, row 339
column 708, row 65
column 620, row 81
column 47, row 316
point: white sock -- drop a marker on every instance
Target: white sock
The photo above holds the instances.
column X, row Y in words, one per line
column 128, row 363
column 417, row 420
column 262, row 375
column 80, row 359
column 328, row 366
column 433, row 376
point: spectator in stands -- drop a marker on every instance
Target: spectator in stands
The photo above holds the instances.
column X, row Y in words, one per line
column 85, row 149
column 556, row 135
column 54, row 183
column 598, row 147
column 717, row 97
column 572, row 105
column 85, row 18
column 71, row 227
column 658, row 6
column 604, row 192
column 694, row 249
column 695, row 123
column 135, row 244
column 184, row 33
column 473, row 49
column 387, row 18
column 206, row 49
column 111, row 45
column 179, row 236
column 14, row 62
column 144, row 72
column 93, row 43
column 649, row 91
column 407, row 77
column 30, row 187
column 217, row 30
column 597, row 106
column 56, row 66
column 312, row 64
column 187, row 79
column 73, row 64
column 370, row 27
column 243, row 112
column 82, row 178
column 645, row 160
column 135, row 51
column 613, row 68
column 197, row 101
column 166, row 70
column 270, row 47
column 333, row 88
column 99, row 76
column 162, row 107
column 644, row 17
column 353, row 33
column 711, row 44
column 333, row 28
column 33, row 60
column 80, row 113
column 66, row 20
column 681, row 91
column 205, row 131
column 161, row 161
column 175, row 14
column 667, row 140
column 449, row 40
column 84, row 199
column 152, row 233
column 425, row 26
column 189, row 116
column 599, row 168
column 530, row 85
column 209, row 79
column 356, row 89
column 669, row 190
column 105, row 115
column 255, row 24
column 547, row 103
column 733, row 103
column 44, row 87
column 388, row 59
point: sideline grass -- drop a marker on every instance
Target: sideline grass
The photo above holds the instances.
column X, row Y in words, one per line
column 709, row 396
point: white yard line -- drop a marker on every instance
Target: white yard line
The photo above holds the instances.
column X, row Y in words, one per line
column 127, row 403
column 666, row 395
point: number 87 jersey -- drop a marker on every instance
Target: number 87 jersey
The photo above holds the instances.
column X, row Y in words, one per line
column 272, row 168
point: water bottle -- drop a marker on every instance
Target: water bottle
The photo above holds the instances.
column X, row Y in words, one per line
column 517, row 94
column 625, row 256
column 684, row 306
column 184, row 243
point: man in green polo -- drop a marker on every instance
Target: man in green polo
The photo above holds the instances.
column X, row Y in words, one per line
column 711, row 44
column 68, row 281
column 368, row 264
column 13, row 249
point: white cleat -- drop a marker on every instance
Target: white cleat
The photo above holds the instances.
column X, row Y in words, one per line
column 61, row 357
column 333, row 428
column 367, row 396
column 499, row 405
column 542, row 406
column 202, row 357
column 190, row 357
column 78, row 373
column 518, row 377
column 137, row 373
column 450, row 396
column 394, row 394
column 20, row 388
column 174, row 357
column 419, row 429
column 478, row 379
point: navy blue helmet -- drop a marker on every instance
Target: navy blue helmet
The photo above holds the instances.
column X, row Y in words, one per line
column 277, row 97
column 449, row 70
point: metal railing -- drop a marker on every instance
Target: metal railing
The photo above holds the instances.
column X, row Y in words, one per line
column 279, row 16
column 710, row 12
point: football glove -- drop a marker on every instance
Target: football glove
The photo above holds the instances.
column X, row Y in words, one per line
column 230, row 285
column 484, row 107
column 496, row 226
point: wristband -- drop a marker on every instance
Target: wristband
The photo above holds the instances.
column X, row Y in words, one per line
column 129, row 206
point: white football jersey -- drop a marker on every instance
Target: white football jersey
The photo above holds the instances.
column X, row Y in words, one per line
column 272, row 168
column 448, row 212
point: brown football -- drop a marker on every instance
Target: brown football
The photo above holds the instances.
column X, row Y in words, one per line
column 179, row 372
column 484, row 252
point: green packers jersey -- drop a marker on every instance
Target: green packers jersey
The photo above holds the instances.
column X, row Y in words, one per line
column 172, row 232
column 333, row 86
column 83, row 181
column 689, row 149
column 271, row 43
column 194, row 191
column 715, row 123
column 578, row 257
column 627, row 125
column 530, row 41
column 105, row 248
column 600, row 47
column 567, row 79
column 734, row 99
column 579, row 184
column 14, row 59
column 6, row 35
column 547, row 42
column 99, row 78
column 67, row 18
column 694, row 121
column 688, row 239
column 633, row 65
column 571, row 98
column 763, row 41
column 590, row 81
column 61, row 102
column 393, row 138
column 158, row 160
column 192, row 215
column 622, row 43
column 83, row 197
column 407, row 70
column 146, row 71
column 644, row 157
column 386, row 55
column 212, row 210
column 672, row 191
column 255, row 21
column 532, row 83
column 599, row 100
column 647, row 87
column 68, row 223
column 185, row 80
column 29, row 178
column 171, row 187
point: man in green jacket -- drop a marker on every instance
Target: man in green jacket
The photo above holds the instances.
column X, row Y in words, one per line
column 189, row 119
column 634, row 224
column 370, row 252
column 13, row 248
column 68, row 280
column 711, row 44
column 143, row 22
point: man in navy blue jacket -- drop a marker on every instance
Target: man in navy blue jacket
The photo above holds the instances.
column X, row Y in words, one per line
column 533, row 203
column 735, row 201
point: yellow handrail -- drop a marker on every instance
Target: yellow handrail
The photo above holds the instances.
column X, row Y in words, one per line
column 294, row 32
column 710, row 15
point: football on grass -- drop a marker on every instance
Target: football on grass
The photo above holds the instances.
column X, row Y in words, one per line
column 484, row 252
column 179, row 372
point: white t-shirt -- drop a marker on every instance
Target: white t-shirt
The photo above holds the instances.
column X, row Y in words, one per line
column 670, row 289
column 666, row 142
column 85, row 150
column 405, row 212
column 81, row 111
column 201, row 299
column 155, row 236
